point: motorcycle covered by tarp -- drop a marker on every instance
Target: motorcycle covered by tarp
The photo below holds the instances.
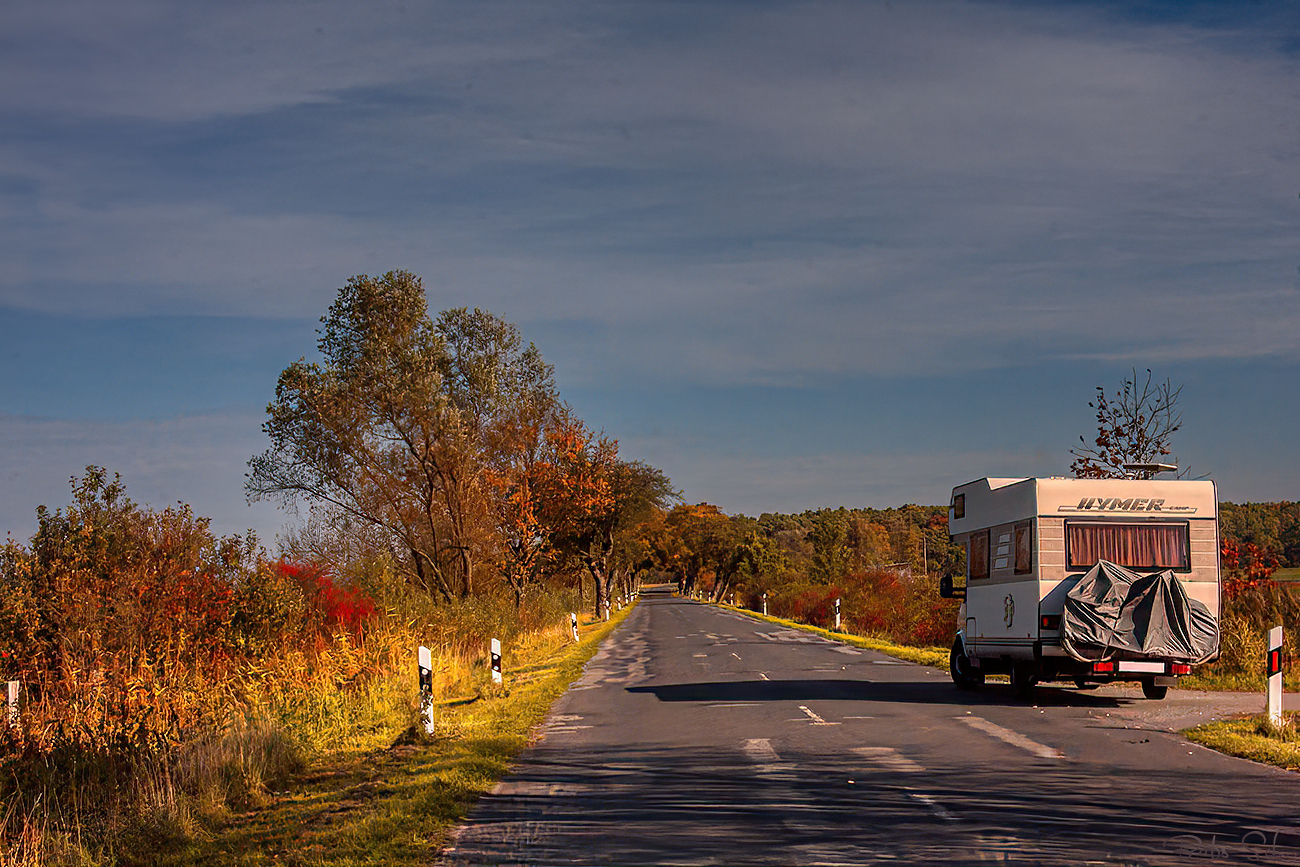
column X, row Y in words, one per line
column 1116, row 613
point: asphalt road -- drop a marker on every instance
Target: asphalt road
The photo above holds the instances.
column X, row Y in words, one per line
column 700, row 736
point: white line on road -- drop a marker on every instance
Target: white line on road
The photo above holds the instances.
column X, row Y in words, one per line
column 888, row 758
column 935, row 806
column 1014, row 738
column 817, row 721
column 736, row 655
column 765, row 759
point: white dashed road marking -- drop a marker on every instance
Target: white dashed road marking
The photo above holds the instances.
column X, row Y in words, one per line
column 765, row 759
column 888, row 758
column 1014, row 738
column 817, row 721
column 935, row 806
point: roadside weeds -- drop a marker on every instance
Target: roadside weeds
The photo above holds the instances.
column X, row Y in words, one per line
column 1252, row 737
column 397, row 805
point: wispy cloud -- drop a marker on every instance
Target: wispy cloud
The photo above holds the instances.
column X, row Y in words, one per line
column 701, row 194
column 775, row 193
column 189, row 459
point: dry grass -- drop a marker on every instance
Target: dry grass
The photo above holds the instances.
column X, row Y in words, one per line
column 395, row 803
column 101, row 792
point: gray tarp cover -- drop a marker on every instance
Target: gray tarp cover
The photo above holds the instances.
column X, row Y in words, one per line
column 1115, row 612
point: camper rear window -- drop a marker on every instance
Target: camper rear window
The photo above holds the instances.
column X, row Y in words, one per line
column 1134, row 546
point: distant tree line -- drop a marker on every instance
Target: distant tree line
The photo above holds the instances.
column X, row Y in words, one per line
column 1267, row 531
column 878, row 562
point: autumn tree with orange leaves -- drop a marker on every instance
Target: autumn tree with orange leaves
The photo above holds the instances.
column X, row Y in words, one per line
column 416, row 435
column 586, row 495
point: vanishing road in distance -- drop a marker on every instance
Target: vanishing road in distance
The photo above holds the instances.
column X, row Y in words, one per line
column 700, row 736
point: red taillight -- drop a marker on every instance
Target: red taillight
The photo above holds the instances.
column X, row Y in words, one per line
column 1050, row 621
column 1103, row 667
column 1180, row 668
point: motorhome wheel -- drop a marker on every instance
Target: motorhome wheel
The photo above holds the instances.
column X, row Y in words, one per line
column 1024, row 676
column 963, row 674
column 1153, row 692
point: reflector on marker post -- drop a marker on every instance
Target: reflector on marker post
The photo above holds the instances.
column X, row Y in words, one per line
column 425, row 662
column 1275, row 675
column 12, row 689
column 496, row 660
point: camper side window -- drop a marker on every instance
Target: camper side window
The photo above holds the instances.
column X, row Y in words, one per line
column 1024, row 548
column 979, row 556
column 1133, row 546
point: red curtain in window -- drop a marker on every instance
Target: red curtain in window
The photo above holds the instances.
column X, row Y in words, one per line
column 1134, row 546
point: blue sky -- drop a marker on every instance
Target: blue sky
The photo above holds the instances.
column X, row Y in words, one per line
column 794, row 254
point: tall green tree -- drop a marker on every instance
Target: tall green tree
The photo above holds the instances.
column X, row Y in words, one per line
column 829, row 537
column 395, row 427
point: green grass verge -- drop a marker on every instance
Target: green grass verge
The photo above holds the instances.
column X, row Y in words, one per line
column 396, row 805
column 1290, row 573
column 1252, row 738
column 936, row 657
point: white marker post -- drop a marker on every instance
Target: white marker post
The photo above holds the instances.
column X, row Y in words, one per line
column 573, row 624
column 12, row 688
column 1275, row 675
column 496, row 660
column 606, row 609
column 425, row 661
column 837, row 614
column 764, row 603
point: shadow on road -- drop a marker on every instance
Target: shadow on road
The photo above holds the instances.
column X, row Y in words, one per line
column 634, row 804
column 861, row 690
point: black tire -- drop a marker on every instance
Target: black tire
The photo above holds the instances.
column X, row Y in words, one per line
column 960, row 668
column 1024, row 677
column 1153, row 692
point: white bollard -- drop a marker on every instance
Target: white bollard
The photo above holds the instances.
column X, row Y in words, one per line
column 12, row 688
column 764, row 604
column 1275, row 675
column 573, row 624
column 496, row 660
column 837, row 615
column 425, row 661
column 606, row 609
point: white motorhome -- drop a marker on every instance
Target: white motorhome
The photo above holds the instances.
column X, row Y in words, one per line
column 1028, row 544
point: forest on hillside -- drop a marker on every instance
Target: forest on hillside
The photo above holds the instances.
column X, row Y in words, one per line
column 1272, row 528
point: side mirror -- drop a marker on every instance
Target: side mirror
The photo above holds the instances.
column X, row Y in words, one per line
column 948, row 591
